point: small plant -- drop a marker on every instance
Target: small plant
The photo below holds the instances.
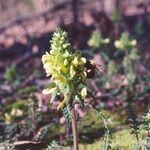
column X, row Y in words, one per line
column 97, row 43
column 127, row 49
column 132, row 120
column 107, row 136
column 68, row 72
column 116, row 16
column 125, row 43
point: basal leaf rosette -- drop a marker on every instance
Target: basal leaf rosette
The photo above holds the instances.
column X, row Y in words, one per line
column 66, row 69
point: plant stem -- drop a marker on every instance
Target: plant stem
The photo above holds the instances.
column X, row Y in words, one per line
column 74, row 130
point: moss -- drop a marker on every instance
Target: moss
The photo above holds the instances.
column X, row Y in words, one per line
column 93, row 146
column 55, row 130
column 121, row 140
column 92, row 121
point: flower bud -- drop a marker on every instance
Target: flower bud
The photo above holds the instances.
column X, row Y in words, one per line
column 84, row 92
column 133, row 42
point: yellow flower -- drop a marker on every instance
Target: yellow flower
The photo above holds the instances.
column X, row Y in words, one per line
column 72, row 71
column 118, row 44
column 75, row 61
column 84, row 92
column 83, row 60
column 133, row 42
column 8, row 118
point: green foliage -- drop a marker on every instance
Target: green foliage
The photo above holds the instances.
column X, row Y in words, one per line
column 148, row 143
column 139, row 28
column 112, row 68
column 10, row 73
column 132, row 120
column 134, row 56
column 93, row 121
column 19, row 104
column 115, row 15
column 146, row 123
column 66, row 111
column 123, row 140
column 43, row 132
column 107, row 139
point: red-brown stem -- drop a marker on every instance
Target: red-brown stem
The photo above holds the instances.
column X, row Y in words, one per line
column 74, row 130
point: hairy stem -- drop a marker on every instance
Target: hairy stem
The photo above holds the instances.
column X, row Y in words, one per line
column 106, row 145
column 74, row 130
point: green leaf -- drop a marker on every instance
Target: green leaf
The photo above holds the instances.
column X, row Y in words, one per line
column 51, row 85
column 115, row 91
column 105, row 56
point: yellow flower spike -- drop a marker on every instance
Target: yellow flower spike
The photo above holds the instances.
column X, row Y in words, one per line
column 67, row 69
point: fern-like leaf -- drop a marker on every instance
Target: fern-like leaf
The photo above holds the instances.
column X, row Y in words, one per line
column 107, row 136
column 132, row 120
column 67, row 113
